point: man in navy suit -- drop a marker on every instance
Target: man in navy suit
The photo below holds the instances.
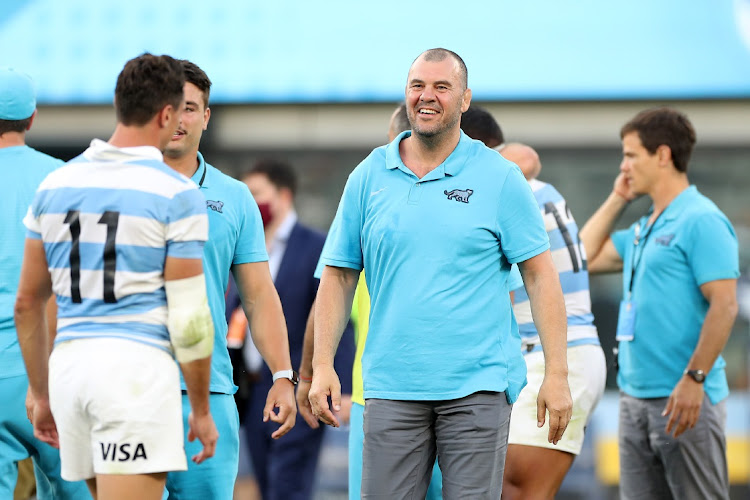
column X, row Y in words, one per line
column 285, row 468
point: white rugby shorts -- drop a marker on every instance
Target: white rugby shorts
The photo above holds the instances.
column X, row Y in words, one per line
column 117, row 404
column 587, row 375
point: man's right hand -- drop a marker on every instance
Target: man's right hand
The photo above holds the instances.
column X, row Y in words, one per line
column 303, row 403
column 203, row 428
column 41, row 417
column 622, row 188
column 325, row 383
column 29, row 405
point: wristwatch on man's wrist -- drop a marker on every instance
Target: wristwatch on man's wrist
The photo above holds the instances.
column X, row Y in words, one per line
column 697, row 375
column 291, row 375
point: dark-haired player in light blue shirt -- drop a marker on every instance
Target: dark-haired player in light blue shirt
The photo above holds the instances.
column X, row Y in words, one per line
column 236, row 243
column 680, row 269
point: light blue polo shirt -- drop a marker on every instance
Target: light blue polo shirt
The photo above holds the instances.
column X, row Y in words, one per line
column 691, row 243
column 235, row 236
column 437, row 253
column 23, row 170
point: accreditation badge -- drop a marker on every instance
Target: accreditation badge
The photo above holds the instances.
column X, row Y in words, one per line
column 626, row 321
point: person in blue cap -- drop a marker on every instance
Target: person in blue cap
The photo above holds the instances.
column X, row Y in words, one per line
column 23, row 168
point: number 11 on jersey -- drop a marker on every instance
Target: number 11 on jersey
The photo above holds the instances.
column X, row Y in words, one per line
column 110, row 219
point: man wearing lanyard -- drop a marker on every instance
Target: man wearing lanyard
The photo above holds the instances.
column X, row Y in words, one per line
column 235, row 243
column 680, row 269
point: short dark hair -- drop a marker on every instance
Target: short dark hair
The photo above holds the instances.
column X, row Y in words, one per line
column 145, row 85
column 439, row 54
column 281, row 174
column 14, row 125
column 664, row 126
column 198, row 77
column 479, row 124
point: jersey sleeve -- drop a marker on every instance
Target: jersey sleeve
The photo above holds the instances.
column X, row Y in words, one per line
column 521, row 227
column 187, row 225
column 713, row 253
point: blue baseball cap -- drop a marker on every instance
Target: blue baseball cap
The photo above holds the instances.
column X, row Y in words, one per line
column 17, row 95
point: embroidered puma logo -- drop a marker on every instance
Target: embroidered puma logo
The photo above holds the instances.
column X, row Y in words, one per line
column 216, row 206
column 664, row 240
column 461, row 195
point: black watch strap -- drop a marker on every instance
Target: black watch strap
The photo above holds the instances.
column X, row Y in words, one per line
column 697, row 375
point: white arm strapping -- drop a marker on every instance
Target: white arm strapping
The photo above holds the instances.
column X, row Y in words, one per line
column 191, row 328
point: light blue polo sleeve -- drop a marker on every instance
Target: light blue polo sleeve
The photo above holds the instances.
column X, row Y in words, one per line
column 319, row 267
column 343, row 246
column 515, row 280
column 620, row 239
column 520, row 224
column 713, row 251
column 251, row 241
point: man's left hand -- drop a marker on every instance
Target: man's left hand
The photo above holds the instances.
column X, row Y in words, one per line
column 281, row 396
column 683, row 406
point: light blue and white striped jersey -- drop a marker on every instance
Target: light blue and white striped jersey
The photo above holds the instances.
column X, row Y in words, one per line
column 570, row 261
column 108, row 220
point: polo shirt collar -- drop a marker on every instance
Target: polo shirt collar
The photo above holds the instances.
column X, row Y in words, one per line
column 678, row 205
column 450, row 167
column 201, row 173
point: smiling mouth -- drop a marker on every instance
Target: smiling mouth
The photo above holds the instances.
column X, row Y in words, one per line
column 178, row 135
column 428, row 112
